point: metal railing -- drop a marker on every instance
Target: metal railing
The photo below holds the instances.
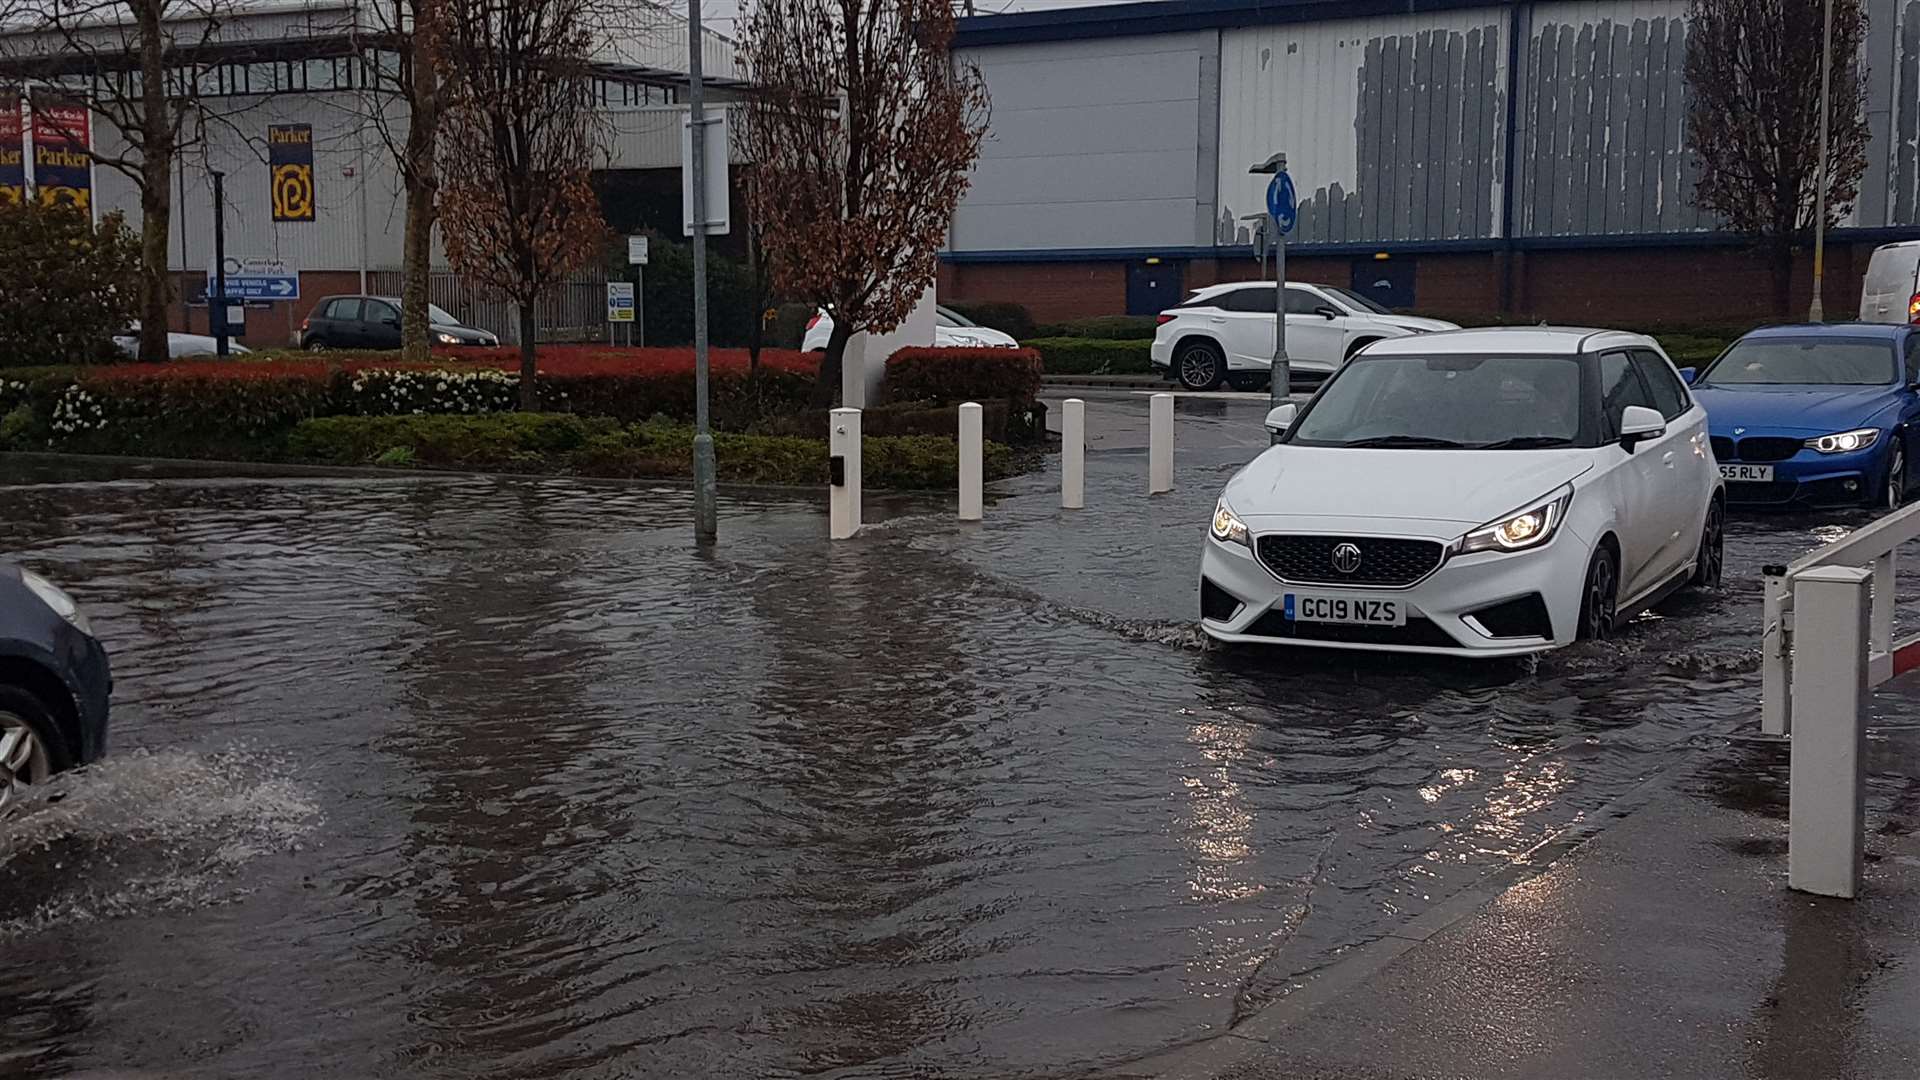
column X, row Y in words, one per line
column 1871, row 548
column 575, row 310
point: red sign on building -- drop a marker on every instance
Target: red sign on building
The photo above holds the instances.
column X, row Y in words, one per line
column 62, row 163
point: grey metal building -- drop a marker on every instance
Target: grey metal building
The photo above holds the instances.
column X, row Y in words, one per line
column 1461, row 156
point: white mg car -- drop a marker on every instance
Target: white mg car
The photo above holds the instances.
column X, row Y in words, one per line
column 1224, row 333
column 1477, row 493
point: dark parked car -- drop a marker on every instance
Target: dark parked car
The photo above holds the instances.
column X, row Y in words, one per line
column 373, row 322
column 54, row 683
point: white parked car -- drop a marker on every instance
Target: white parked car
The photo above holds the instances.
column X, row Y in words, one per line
column 951, row 330
column 179, row 346
column 1225, row 332
column 1890, row 292
column 1477, row 493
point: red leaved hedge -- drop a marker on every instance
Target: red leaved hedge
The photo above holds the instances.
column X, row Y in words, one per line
column 950, row 376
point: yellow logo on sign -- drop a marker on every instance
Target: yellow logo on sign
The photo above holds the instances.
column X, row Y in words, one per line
column 78, row 198
column 293, row 192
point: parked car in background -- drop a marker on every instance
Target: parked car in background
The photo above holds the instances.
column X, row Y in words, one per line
column 1816, row 415
column 179, row 346
column 951, row 330
column 54, row 683
column 1224, row 333
column 1890, row 293
column 1479, row 493
column 373, row 322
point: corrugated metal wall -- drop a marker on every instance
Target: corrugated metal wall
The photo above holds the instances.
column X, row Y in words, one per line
column 1893, row 112
column 1391, row 125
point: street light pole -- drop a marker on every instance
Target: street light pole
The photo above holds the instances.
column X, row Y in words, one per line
column 706, row 512
column 1815, row 311
column 1280, row 378
column 217, row 303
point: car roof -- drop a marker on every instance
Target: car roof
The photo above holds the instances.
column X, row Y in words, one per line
column 1838, row 330
column 358, row 296
column 1529, row 340
column 1224, row 286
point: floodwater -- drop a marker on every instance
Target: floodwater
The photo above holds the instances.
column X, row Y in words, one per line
column 448, row 777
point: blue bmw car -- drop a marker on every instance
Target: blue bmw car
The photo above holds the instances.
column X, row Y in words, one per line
column 1818, row 415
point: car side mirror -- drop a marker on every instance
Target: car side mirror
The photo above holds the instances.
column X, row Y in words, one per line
column 1327, row 311
column 1638, row 424
column 390, row 321
column 1687, row 375
column 1280, row 419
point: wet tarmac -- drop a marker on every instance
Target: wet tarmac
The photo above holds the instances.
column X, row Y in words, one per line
column 452, row 776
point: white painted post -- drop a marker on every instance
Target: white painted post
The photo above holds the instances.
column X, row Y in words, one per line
column 1882, row 626
column 1776, row 694
column 1825, row 815
column 853, row 372
column 971, row 428
column 1160, row 444
column 843, row 443
column 1073, row 453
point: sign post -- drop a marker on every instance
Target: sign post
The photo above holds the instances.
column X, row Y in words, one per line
column 619, row 306
column 637, row 258
column 1283, row 208
column 254, row 279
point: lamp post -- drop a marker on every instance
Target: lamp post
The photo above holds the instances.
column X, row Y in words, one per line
column 705, row 500
column 217, row 303
column 1815, row 311
column 1280, row 382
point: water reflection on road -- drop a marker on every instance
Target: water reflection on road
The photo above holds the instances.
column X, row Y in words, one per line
column 454, row 777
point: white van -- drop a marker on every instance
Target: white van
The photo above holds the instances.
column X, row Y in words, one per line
column 1891, row 291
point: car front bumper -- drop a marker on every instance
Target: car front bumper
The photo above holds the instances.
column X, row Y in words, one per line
column 1811, row 479
column 1442, row 610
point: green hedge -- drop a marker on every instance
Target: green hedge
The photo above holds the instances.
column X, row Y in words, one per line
column 1092, row 356
column 952, row 376
column 573, row 445
column 1106, row 327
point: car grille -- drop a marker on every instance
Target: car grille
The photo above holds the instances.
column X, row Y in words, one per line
column 1722, row 448
column 1767, row 448
column 1384, row 561
column 1418, row 631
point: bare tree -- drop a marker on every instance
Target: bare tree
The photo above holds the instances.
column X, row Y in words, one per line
column 519, row 136
column 143, row 66
column 1753, row 117
column 403, row 102
column 862, row 131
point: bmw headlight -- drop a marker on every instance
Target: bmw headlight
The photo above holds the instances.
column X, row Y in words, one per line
column 56, row 598
column 445, row 338
column 1519, row 531
column 1844, row 442
column 1227, row 526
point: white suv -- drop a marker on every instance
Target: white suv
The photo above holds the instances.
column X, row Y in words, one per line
column 1479, row 493
column 1224, row 333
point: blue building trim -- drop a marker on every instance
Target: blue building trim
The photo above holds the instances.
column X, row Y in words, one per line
column 1425, row 247
column 1175, row 16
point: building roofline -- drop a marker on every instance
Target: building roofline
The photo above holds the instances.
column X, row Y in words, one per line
column 1174, row 16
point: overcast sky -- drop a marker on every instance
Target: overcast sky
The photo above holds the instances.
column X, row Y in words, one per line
column 721, row 14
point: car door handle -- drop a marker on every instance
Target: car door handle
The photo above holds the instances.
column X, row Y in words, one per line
column 1217, row 319
column 1668, row 458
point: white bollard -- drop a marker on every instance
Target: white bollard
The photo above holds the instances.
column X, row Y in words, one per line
column 1073, row 453
column 1160, row 444
column 843, row 443
column 972, row 424
column 1825, row 815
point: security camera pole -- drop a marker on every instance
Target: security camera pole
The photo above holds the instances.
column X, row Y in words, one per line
column 1281, row 208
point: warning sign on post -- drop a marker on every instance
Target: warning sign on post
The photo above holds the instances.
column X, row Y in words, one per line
column 619, row 301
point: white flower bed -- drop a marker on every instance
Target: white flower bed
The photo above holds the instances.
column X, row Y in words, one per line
column 388, row 392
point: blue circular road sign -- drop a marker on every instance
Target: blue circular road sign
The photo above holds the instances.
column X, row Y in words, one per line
column 1280, row 201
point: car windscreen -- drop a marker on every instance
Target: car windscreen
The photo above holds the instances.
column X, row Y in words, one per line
column 1447, row 403
column 438, row 316
column 1808, row 361
column 950, row 317
column 1359, row 300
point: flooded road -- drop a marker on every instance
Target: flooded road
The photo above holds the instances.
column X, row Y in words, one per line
column 444, row 777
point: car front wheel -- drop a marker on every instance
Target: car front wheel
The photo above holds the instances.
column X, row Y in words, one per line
column 1200, row 366
column 1711, row 559
column 1598, row 599
column 30, row 750
column 1894, row 496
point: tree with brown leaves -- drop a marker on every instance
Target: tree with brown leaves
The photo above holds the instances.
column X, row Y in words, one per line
column 1753, row 117
column 862, row 131
column 518, row 139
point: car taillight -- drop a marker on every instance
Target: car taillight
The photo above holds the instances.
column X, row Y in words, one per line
column 813, row 322
column 1913, row 309
column 1163, row 318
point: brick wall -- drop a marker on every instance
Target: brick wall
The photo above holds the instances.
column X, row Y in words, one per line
column 1051, row 291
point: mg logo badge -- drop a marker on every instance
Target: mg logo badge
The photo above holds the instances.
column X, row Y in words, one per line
column 1346, row 557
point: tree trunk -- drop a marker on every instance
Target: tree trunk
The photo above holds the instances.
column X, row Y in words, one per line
column 529, row 392
column 826, row 387
column 156, row 196
column 423, row 125
column 1780, row 265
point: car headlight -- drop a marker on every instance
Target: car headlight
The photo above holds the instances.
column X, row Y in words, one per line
column 445, row 339
column 56, row 598
column 1521, row 530
column 1227, row 526
column 1844, row 442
